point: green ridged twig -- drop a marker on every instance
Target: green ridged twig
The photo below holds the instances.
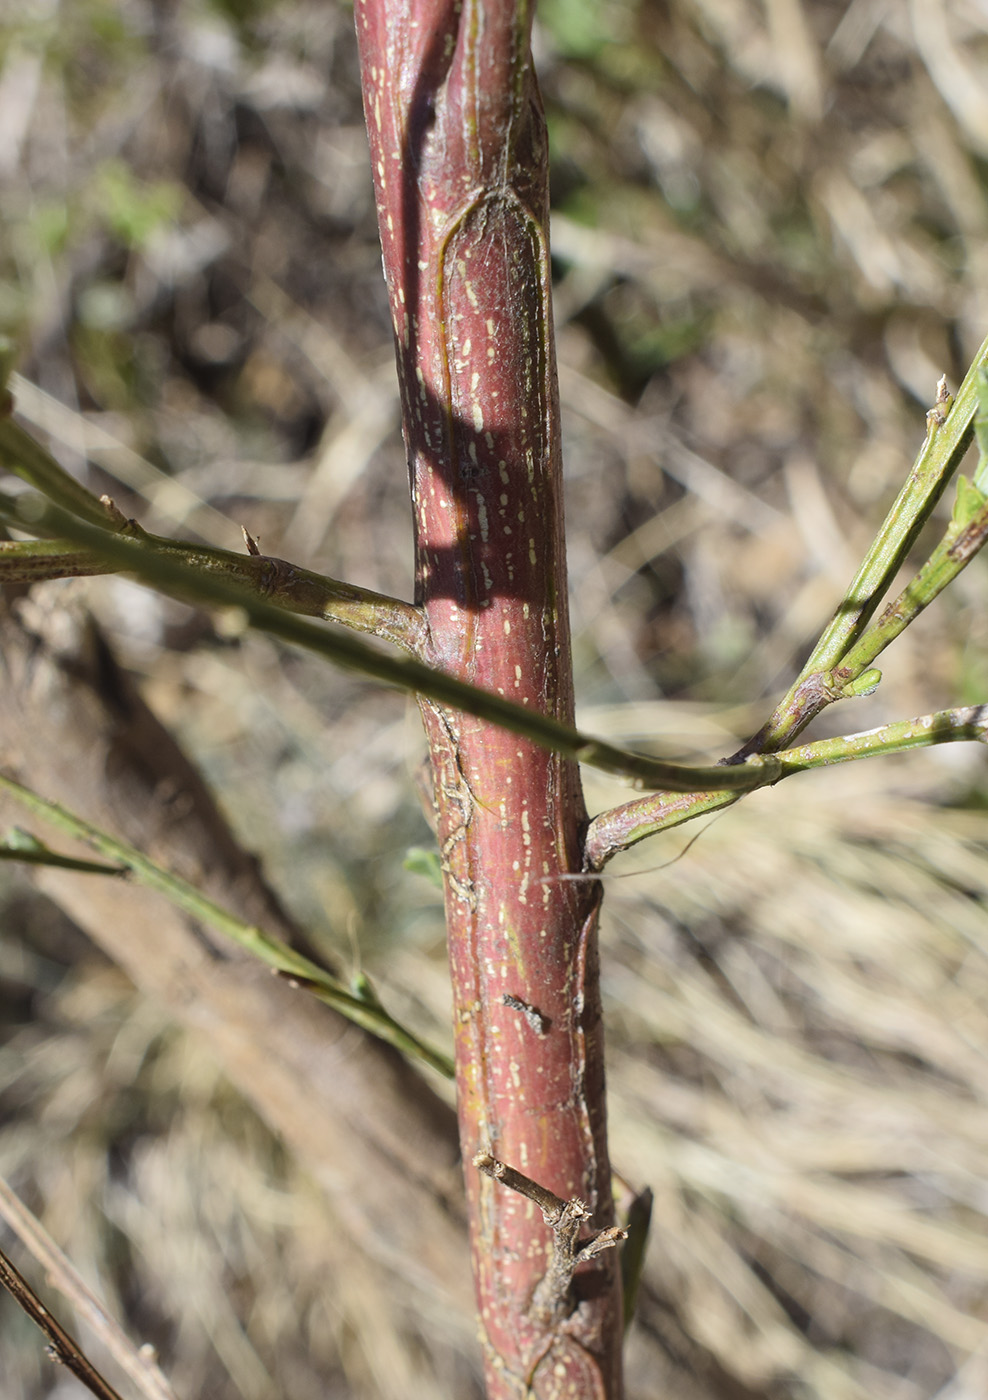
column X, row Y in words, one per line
column 950, row 427
column 840, row 665
column 168, row 569
column 622, row 827
column 963, row 538
column 25, row 458
column 968, row 723
column 289, row 586
column 22, row 846
column 365, row 1010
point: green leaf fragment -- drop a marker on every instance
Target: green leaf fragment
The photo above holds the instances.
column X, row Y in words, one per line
column 363, row 989
column 425, row 863
column 17, row 839
column 865, row 684
column 364, row 1009
column 20, row 845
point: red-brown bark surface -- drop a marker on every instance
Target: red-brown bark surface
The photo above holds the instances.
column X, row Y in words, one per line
column 459, row 155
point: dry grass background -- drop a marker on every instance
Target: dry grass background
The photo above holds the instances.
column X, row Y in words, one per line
column 770, row 239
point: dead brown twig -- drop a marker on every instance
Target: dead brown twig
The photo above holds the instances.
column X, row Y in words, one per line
column 61, row 1347
column 550, row 1301
column 138, row 1364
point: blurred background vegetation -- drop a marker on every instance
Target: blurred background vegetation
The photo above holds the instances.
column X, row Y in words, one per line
column 770, row 239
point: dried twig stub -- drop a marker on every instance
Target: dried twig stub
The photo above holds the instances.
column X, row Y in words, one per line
column 551, row 1300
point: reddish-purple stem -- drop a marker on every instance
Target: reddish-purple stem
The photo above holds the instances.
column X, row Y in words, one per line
column 458, row 148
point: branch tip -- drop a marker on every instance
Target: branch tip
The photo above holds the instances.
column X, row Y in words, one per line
column 116, row 516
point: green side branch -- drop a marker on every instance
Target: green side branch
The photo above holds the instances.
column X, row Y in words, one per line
column 709, row 785
column 362, row 1006
column 295, row 589
column 275, row 580
column 949, row 432
column 965, row 724
column 23, row 847
column 840, row 666
column 80, row 533
column 981, row 430
column 950, row 428
column 963, row 538
column 24, row 457
column 170, row 570
column 624, row 826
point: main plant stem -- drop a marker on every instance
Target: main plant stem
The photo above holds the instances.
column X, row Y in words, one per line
column 458, row 148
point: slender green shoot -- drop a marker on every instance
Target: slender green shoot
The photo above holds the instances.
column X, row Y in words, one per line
column 950, row 427
column 981, row 431
column 361, row 1006
column 962, row 725
column 963, row 538
column 170, row 571
column 24, row 457
column 622, row 827
column 22, row 846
